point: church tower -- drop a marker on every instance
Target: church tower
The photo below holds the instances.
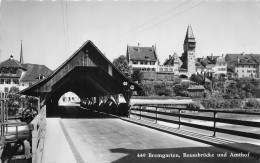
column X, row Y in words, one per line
column 21, row 53
column 188, row 57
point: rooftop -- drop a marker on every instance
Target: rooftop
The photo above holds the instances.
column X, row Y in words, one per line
column 34, row 71
column 142, row 53
column 11, row 63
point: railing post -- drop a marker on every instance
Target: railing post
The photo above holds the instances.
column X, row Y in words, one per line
column 215, row 116
column 140, row 112
column 179, row 110
column 156, row 114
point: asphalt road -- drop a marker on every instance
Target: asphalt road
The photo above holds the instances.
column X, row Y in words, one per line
column 95, row 137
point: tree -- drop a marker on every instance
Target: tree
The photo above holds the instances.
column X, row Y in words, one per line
column 122, row 65
column 14, row 100
column 197, row 78
column 137, row 75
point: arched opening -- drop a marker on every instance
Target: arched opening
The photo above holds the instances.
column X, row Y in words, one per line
column 69, row 98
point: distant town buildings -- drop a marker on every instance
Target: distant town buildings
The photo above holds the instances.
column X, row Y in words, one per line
column 18, row 74
column 232, row 65
column 145, row 58
column 243, row 65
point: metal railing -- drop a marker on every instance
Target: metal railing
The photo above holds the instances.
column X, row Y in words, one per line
column 152, row 112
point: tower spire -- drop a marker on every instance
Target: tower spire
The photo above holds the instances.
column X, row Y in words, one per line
column 189, row 33
column 21, row 53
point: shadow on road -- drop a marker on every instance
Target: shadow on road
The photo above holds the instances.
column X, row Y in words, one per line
column 177, row 155
column 74, row 112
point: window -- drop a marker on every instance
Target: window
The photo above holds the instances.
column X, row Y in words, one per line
column 249, row 66
column 242, row 65
column 160, row 69
column 253, row 70
column 248, row 71
column 134, row 62
column 165, row 69
column 242, row 70
column 15, row 81
column 7, row 81
column 142, row 63
column 152, row 63
column 153, row 69
column 30, row 84
column 2, row 81
column 145, row 63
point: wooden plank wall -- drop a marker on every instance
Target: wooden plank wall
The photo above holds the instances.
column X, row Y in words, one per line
column 38, row 135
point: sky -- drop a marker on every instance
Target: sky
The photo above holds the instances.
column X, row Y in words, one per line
column 52, row 30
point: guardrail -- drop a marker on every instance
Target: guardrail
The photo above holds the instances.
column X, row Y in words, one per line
column 38, row 135
column 152, row 112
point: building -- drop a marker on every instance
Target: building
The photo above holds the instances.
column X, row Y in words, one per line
column 33, row 73
column 19, row 74
column 144, row 58
column 171, row 65
column 243, row 65
column 10, row 73
column 215, row 66
column 188, row 57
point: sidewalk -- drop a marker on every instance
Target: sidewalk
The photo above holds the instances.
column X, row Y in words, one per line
column 56, row 147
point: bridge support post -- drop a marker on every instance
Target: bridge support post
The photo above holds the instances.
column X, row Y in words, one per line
column 97, row 102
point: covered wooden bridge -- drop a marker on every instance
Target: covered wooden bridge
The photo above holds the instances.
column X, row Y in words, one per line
column 87, row 73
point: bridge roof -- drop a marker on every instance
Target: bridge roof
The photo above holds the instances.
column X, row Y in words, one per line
column 87, row 73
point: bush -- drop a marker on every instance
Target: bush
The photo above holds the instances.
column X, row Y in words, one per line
column 194, row 105
column 222, row 103
column 163, row 90
column 252, row 103
column 148, row 89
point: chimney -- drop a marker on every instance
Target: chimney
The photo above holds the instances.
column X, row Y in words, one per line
column 211, row 56
column 242, row 53
column 138, row 47
column 238, row 59
column 170, row 57
column 152, row 48
column 11, row 57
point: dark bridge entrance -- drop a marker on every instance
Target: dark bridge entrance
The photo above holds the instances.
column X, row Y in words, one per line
column 87, row 73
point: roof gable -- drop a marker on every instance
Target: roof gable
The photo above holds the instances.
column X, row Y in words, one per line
column 88, row 55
